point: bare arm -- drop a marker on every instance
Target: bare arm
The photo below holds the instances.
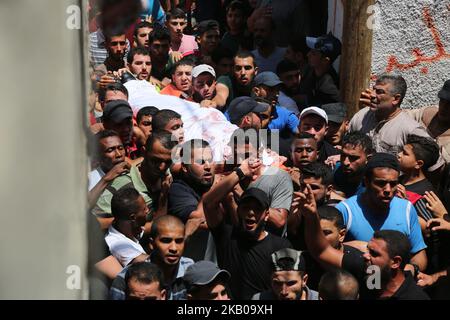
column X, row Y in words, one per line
column 316, row 242
column 278, row 217
column 222, row 93
column 420, row 258
column 139, row 258
column 109, row 267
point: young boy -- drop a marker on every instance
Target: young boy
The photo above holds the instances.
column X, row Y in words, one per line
column 418, row 154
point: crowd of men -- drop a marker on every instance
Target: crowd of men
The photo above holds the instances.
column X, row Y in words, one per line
column 313, row 203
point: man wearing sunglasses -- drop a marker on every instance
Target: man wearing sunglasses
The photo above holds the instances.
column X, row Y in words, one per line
column 378, row 208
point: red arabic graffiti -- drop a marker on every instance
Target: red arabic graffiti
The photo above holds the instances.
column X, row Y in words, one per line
column 417, row 53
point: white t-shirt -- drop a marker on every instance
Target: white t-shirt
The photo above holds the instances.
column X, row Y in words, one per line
column 94, row 177
column 122, row 248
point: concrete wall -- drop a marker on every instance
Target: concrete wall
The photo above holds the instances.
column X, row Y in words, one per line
column 43, row 166
column 413, row 39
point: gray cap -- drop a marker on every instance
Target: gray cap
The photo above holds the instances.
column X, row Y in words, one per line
column 444, row 93
column 267, row 78
column 288, row 259
column 241, row 106
column 336, row 112
column 117, row 111
column 204, row 272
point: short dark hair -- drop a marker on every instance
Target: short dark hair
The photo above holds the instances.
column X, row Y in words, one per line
column 160, row 34
column 332, row 214
column 164, row 137
column 175, row 13
column 124, row 203
column 425, row 149
column 94, row 144
column 319, row 171
column 303, row 135
column 145, row 272
column 135, row 51
column 146, row 111
column 286, row 66
column 242, row 54
column 189, row 146
column 169, row 219
column 397, row 244
column 105, row 134
column 116, row 86
column 140, row 25
column 239, row 5
column 186, row 61
column 357, row 138
column 114, row 32
column 205, row 26
column 162, row 118
column 398, row 83
column 338, row 284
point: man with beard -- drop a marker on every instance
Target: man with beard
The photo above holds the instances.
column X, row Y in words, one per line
column 204, row 85
column 243, row 249
column 381, row 271
column 140, row 63
column 167, row 238
column 289, row 278
column 181, row 85
column 377, row 208
column 162, row 61
column 356, row 151
column 382, row 119
column 239, row 84
column 187, row 191
column 130, row 215
column 267, row 54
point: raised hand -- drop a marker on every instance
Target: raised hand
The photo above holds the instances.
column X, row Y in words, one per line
column 438, row 224
column 117, row 170
column 434, row 204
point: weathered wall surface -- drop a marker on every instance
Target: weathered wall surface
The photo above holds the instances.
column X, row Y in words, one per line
column 413, row 39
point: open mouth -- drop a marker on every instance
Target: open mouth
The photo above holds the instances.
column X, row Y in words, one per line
column 250, row 223
column 172, row 258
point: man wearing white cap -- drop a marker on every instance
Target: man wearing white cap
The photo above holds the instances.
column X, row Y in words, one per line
column 204, row 83
column 315, row 121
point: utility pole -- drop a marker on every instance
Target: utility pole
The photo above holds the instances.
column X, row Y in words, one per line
column 356, row 59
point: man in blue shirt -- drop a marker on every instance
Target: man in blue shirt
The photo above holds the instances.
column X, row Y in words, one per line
column 378, row 209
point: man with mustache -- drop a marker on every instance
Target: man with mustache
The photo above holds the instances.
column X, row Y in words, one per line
column 388, row 253
column 188, row 189
column 239, row 84
column 243, row 249
column 377, row 208
column 181, row 85
column 204, row 84
column 140, row 63
column 356, row 150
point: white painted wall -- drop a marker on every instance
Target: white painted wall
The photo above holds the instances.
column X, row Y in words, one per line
column 401, row 30
column 43, row 166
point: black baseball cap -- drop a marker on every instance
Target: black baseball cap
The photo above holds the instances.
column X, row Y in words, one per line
column 288, row 259
column 336, row 112
column 329, row 45
column 117, row 111
column 203, row 273
column 241, row 106
column 444, row 93
column 267, row 78
column 258, row 194
column 383, row 160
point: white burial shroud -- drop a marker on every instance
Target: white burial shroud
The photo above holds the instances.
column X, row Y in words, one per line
column 208, row 124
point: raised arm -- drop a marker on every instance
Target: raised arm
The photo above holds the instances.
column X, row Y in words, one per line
column 222, row 93
column 213, row 197
column 316, row 242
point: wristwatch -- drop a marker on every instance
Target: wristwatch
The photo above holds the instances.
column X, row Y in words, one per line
column 240, row 173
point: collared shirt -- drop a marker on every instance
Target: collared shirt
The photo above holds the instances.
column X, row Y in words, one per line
column 175, row 291
column 387, row 135
column 94, row 177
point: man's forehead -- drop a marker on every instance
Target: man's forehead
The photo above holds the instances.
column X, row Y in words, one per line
column 118, row 38
column 312, row 180
column 111, row 141
column 308, row 142
column 144, row 30
column 385, row 173
column 378, row 245
column 352, row 149
column 248, row 61
column 170, row 230
column 312, row 119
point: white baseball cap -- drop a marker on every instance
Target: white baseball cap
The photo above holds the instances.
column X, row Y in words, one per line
column 314, row 110
column 201, row 69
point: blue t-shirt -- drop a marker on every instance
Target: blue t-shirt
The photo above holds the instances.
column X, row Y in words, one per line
column 361, row 224
column 285, row 120
column 155, row 10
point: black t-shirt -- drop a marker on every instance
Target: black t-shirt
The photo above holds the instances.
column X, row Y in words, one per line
column 248, row 262
column 356, row 265
column 183, row 199
column 420, row 187
column 315, row 270
column 326, row 150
